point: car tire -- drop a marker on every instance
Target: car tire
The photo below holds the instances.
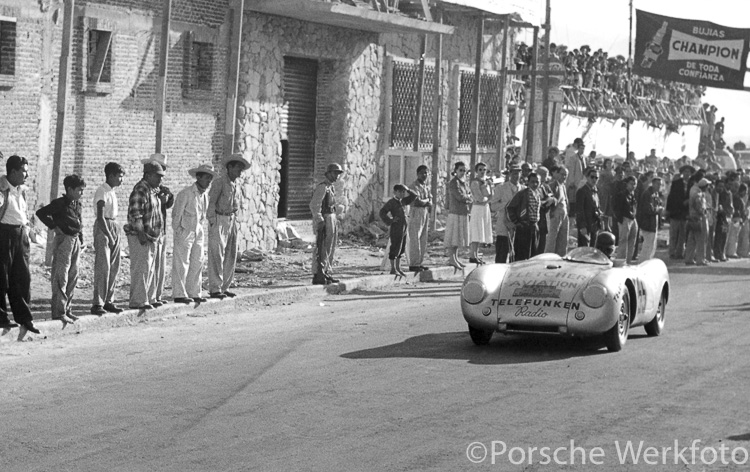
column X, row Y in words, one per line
column 656, row 326
column 616, row 337
column 480, row 337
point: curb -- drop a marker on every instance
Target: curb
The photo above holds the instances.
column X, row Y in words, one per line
column 280, row 296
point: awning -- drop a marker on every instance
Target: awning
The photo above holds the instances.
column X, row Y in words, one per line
column 346, row 16
column 522, row 12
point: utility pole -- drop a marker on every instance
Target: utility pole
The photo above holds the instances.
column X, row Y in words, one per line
column 477, row 94
column 161, row 84
column 438, row 101
column 545, row 90
column 235, row 46
column 62, row 104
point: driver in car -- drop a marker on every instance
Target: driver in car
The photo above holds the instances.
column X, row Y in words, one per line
column 605, row 242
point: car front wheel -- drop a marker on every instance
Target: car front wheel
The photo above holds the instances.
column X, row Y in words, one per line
column 617, row 336
column 656, row 326
column 481, row 337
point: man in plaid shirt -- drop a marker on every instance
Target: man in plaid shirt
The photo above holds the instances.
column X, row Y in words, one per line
column 143, row 230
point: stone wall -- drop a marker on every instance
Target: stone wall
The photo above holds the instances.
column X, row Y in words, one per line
column 354, row 103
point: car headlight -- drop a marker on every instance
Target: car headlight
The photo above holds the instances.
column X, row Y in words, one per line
column 594, row 296
column 474, row 292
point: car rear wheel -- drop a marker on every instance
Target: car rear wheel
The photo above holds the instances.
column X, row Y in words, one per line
column 481, row 337
column 617, row 336
column 656, row 326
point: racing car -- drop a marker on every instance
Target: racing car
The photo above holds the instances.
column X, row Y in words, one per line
column 581, row 294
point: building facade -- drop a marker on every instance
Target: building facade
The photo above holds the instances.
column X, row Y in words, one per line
column 310, row 92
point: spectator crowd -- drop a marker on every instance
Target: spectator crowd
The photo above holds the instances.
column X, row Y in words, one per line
column 194, row 207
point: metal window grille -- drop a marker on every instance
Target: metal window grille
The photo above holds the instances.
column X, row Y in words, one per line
column 490, row 108
column 404, row 108
column 202, row 65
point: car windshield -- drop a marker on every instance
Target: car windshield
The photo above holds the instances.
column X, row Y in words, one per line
column 587, row 255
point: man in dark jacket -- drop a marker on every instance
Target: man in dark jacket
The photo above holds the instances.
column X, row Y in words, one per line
column 523, row 211
column 677, row 209
column 649, row 210
column 624, row 206
column 588, row 214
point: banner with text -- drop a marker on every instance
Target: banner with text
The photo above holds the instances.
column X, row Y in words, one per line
column 691, row 51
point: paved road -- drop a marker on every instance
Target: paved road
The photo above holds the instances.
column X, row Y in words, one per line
column 383, row 381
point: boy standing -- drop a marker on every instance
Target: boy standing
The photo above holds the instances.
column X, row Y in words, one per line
column 64, row 216
column 397, row 221
column 188, row 218
column 106, row 241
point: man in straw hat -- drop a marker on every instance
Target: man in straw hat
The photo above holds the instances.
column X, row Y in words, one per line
column 188, row 218
column 223, row 205
column 323, row 209
column 166, row 200
column 144, row 228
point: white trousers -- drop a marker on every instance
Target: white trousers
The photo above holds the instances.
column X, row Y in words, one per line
column 649, row 246
column 628, row 232
column 187, row 262
column 557, row 233
column 418, row 230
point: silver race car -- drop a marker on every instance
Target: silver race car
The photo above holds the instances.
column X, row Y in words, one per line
column 581, row 294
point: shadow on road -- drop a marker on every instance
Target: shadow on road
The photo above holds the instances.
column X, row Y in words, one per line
column 358, row 294
column 740, row 437
column 710, row 270
column 722, row 308
column 501, row 350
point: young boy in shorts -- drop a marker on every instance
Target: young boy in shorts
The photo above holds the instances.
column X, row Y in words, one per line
column 393, row 215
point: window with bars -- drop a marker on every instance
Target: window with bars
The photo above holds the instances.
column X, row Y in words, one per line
column 404, row 91
column 7, row 48
column 490, row 107
column 198, row 68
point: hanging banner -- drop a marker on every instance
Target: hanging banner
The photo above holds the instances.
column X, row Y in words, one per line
column 690, row 51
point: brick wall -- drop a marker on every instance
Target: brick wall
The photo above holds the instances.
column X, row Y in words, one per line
column 115, row 121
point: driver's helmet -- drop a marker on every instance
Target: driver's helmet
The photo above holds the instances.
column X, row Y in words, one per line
column 605, row 242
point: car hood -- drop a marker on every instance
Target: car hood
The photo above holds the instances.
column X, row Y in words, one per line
column 551, row 285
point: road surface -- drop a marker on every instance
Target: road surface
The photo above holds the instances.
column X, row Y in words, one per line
column 385, row 381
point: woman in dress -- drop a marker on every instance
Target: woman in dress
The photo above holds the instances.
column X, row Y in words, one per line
column 457, row 224
column 480, row 222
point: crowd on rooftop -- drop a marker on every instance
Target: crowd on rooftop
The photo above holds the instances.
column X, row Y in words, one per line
column 607, row 77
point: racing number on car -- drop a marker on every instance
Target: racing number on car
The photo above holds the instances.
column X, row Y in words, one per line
column 640, row 296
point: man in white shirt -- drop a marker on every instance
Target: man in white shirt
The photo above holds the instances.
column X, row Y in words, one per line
column 558, row 227
column 106, row 241
column 188, row 218
column 15, row 277
column 419, row 220
column 576, row 164
column 504, row 229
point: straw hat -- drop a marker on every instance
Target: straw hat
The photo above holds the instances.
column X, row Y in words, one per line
column 202, row 169
column 236, row 157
